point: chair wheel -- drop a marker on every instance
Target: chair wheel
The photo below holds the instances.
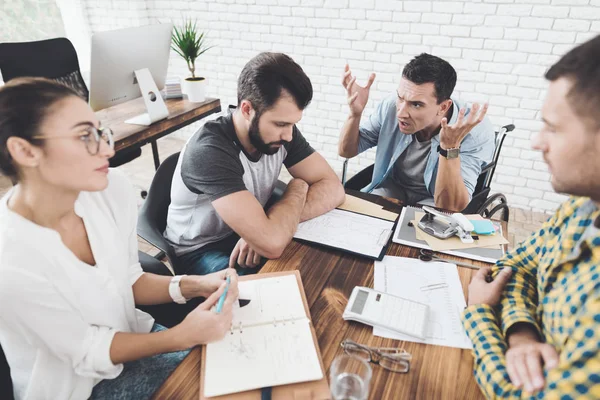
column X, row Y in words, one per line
column 144, row 194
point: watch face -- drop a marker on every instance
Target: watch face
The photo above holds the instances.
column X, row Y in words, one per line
column 453, row 153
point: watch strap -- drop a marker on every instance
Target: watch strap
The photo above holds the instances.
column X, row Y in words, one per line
column 175, row 290
column 444, row 153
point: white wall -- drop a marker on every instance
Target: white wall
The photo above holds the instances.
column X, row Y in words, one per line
column 500, row 48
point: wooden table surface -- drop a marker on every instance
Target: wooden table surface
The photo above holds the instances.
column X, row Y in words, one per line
column 329, row 276
column 181, row 113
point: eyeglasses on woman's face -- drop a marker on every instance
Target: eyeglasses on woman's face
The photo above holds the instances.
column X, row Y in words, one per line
column 91, row 136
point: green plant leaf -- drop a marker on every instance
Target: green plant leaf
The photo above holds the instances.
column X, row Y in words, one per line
column 189, row 43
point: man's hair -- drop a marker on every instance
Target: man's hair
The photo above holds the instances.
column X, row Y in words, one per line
column 426, row 68
column 581, row 66
column 265, row 77
column 24, row 105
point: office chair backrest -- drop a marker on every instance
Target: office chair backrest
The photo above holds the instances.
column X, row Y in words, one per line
column 484, row 180
column 53, row 59
column 152, row 219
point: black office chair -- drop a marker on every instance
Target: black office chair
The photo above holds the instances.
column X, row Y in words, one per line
column 53, row 59
column 6, row 387
column 152, row 219
column 481, row 202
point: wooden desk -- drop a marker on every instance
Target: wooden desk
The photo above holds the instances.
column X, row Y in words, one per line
column 329, row 277
column 128, row 136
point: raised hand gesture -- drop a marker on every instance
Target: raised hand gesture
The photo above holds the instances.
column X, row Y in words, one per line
column 358, row 96
column 451, row 136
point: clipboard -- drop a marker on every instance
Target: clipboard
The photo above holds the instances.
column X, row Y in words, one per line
column 314, row 390
column 384, row 245
column 406, row 235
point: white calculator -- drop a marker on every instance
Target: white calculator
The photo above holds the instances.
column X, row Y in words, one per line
column 387, row 311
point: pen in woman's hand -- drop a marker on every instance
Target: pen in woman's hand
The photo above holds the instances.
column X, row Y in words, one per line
column 223, row 296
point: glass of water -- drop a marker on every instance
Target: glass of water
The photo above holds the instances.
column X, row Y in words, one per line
column 350, row 377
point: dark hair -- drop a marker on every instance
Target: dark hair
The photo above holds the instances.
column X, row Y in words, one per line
column 426, row 68
column 24, row 104
column 266, row 75
column 582, row 66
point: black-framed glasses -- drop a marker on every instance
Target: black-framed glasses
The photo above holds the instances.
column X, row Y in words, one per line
column 392, row 359
column 92, row 138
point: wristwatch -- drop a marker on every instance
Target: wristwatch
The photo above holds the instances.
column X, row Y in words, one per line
column 175, row 290
column 450, row 153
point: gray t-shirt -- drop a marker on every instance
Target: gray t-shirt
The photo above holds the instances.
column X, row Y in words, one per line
column 213, row 164
column 406, row 180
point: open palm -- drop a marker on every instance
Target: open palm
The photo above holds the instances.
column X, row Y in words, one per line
column 357, row 95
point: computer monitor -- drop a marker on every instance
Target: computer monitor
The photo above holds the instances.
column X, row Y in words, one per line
column 116, row 55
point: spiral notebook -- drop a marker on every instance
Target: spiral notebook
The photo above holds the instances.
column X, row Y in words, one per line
column 271, row 342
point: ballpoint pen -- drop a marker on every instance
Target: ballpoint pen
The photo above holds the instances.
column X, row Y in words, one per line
column 223, row 296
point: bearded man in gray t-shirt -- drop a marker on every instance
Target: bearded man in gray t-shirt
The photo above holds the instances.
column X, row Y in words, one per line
column 227, row 171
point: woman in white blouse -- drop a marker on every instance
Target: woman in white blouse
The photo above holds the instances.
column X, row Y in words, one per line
column 69, row 273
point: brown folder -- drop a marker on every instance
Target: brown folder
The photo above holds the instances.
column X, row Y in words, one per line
column 314, row 390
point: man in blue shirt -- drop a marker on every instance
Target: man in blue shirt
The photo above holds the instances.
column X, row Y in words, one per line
column 428, row 144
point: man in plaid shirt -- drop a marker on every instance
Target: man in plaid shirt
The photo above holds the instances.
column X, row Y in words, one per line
column 536, row 327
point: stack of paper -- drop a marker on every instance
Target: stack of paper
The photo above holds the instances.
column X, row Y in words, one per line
column 436, row 284
column 172, row 88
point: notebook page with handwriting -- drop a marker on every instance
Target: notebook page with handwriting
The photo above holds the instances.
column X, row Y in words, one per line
column 270, row 344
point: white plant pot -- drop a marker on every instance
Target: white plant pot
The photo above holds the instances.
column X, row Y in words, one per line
column 195, row 90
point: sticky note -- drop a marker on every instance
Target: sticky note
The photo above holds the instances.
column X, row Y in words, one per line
column 483, row 227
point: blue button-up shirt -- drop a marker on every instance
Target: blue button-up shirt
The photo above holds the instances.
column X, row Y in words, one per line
column 381, row 129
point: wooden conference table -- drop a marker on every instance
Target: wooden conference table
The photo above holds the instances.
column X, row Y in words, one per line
column 328, row 277
column 129, row 136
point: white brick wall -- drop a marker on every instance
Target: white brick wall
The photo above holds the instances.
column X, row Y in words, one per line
column 500, row 48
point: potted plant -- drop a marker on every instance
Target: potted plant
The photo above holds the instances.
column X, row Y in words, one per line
column 190, row 44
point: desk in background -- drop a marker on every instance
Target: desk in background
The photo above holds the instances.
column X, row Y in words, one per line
column 128, row 136
column 328, row 277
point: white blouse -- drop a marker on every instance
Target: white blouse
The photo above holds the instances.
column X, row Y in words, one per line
column 58, row 315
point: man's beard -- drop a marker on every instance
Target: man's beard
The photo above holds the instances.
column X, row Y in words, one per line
column 258, row 142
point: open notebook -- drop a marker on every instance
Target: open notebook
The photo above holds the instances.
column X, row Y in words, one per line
column 271, row 342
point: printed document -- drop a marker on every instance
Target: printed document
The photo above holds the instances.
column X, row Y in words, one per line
column 436, row 284
column 346, row 230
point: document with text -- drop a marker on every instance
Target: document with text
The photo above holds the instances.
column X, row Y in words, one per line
column 436, row 284
column 348, row 231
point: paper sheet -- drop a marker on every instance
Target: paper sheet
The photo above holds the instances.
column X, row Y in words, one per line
column 353, row 203
column 271, row 300
column 349, row 231
column 454, row 243
column 406, row 277
column 255, row 358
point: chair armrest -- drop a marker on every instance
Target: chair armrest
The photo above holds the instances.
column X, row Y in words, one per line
column 152, row 265
column 361, row 179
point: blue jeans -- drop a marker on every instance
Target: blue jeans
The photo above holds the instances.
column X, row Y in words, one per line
column 211, row 258
column 141, row 378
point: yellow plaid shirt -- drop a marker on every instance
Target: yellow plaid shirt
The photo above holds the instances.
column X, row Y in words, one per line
column 555, row 286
